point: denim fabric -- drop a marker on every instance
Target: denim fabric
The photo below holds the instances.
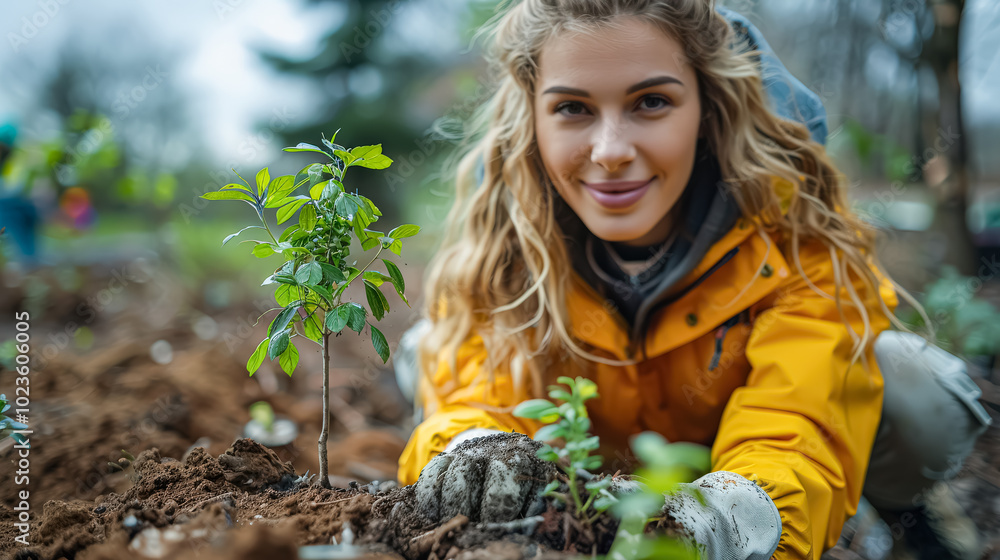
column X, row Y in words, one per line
column 789, row 97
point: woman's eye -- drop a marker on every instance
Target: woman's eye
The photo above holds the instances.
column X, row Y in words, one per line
column 664, row 100
column 560, row 107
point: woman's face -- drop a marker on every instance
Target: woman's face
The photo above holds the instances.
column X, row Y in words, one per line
column 618, row 105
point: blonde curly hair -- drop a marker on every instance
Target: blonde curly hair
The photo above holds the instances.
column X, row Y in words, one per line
column 497, row 272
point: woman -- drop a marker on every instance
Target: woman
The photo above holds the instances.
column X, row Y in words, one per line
column 645, row 220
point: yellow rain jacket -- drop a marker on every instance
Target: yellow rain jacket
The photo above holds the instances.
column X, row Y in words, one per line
column 780, row 407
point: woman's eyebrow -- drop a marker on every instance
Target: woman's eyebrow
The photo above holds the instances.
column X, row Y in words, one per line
column 632, row 89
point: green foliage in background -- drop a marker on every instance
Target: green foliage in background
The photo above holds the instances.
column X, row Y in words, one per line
column 964, row 324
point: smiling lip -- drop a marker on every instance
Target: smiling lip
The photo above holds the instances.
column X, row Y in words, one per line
column 618, row 194
column 616, row 186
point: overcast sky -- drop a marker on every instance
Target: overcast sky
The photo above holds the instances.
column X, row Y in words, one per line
column 213, row 60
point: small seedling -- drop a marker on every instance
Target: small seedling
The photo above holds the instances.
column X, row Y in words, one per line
column 569, row 421
column 310, row 284
column 664, row 466
column 126, row 464
column 265, row 428
column 9, row 425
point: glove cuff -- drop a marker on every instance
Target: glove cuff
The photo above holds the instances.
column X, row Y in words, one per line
column 737, row 518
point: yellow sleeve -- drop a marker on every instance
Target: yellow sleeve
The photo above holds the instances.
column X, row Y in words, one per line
column 451, row 414
column 803, row 425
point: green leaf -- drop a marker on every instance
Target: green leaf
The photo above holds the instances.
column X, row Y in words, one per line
column 228, row 195
column 380, row 161
column 309, row 273
column 589, row 444
column 285, row 294
column 288, row 210
column 263, row 180
column 397, row 279
column 280, row 187
column 289, row 359
column 332, row 273
column 356, row 315
column 396, row 247
column 559, row 394
column 549, row 432
column 315, row 173
column 312, row 328
column 262, row 250
column 535, row 409
column 547, row 453
column 371, row 206
column 358, row 223
column 550, row 487
column 336, row 319
column 331, row 145
column 375, row 277
column 325, row 190
column 346, row 207
column 228, row 237
column 376, row 301
column 346, row 157
column 567, row 381
column 380, row 344
column 361, row 152
column 278, row 344
column 303, row 147
column 307, row 218
column 323, row 292
column 599, row 484
column 405, row 230
column 282, row 319
column 289, row 231
column 257, row 358
column 369, row 243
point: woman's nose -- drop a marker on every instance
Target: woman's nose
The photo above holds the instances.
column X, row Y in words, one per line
column 612, row 147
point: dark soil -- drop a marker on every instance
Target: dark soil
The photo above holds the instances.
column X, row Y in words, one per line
column 197, row 489
column 249, row 504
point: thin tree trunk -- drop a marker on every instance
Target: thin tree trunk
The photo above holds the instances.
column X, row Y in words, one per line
column 324, row 477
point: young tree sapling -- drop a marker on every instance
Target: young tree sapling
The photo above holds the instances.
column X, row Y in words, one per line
column 310, row 284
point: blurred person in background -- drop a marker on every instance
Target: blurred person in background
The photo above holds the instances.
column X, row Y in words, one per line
column 18, row 214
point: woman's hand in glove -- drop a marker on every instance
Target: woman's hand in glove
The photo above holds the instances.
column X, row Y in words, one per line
column 733, row 519
column 492, row 478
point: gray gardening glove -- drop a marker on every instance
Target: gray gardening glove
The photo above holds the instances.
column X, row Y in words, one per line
column 734, row 519
column 492, row 478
